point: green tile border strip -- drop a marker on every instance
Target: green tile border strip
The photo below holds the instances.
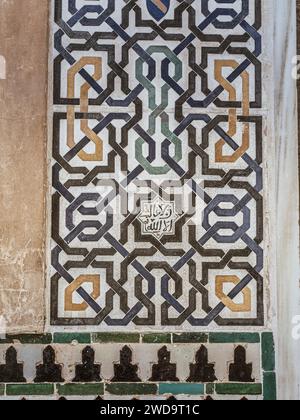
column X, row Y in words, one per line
column 144, row 337
column 29, row 389
column 267, row 389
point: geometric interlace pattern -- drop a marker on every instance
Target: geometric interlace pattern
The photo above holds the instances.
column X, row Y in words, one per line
column 157, row 201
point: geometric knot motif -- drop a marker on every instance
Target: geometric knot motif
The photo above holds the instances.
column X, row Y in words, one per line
column 157, row 203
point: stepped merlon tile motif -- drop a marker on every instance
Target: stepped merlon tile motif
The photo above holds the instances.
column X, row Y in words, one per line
column 139, row 370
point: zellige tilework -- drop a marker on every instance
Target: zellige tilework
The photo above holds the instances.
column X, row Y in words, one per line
column 158, row 113
column 115, row 370
column 157, row 205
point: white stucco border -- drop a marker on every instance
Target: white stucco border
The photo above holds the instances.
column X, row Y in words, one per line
column 287, row 200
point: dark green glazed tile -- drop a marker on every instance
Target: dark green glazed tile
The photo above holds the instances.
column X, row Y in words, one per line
column 220, row 338
column 210, row 389
column 239, row 389
column 268, row 352
column 115, row 338
column 80, row 389
column 157, row 338
column 270, row 391
column 28, row 339
column 67, row 338
column 131, row 389
column 2, row 389
column 190, row 338
column 29, row 389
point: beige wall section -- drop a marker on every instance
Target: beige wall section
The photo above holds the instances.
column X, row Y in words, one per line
column 23, row 115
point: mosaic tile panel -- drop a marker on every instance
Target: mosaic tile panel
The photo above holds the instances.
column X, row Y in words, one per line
column 152, row 367
column 157, row 202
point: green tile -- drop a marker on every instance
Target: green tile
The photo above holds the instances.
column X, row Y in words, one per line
column 210, row 389
column 181, row 389
column 67, row 338
column 190, row 338
column 234, row 338
column 239, row 389
column 115, row 338
column 268, row 352
column 131, row 389
column 157, row 338
column 270, row 391
column 80, row 389
column 28, row 339
column 2, row 389
column 29, row 389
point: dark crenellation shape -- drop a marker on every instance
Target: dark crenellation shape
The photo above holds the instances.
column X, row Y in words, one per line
column 164, row 371
column 11, row 371
column 202, row 371
column 240, row 370
column 88, row 371
column 126, row 371
column 49, row 371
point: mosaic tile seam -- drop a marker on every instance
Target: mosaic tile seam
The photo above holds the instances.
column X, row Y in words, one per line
column 157, row 104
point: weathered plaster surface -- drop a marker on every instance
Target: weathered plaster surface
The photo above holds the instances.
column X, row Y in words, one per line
column 287, row 208
column 298, row 84
column 24, row 40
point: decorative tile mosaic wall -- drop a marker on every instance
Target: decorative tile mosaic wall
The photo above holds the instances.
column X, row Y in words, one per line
column 150, row 366
column 157, row 208
column 157, row 222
